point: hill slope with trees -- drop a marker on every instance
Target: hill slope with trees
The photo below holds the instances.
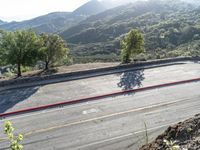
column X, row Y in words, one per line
column 167, row 25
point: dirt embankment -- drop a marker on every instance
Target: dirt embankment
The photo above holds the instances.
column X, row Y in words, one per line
column 62, row 69
column 182, row 136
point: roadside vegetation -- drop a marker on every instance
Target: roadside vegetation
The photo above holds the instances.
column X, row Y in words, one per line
column 25, row 49
column 14, row 140
column 168, row 29
column 132, row 45
column 53, row 51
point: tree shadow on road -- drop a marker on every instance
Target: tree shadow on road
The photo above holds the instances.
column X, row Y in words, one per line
column 130, row 80
column 10, row 98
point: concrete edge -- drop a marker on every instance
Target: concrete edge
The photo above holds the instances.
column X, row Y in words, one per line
column 34, row 109
column 34, row 81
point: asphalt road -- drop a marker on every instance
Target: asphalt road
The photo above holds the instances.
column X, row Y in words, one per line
column 115, row 123
column 22, row 98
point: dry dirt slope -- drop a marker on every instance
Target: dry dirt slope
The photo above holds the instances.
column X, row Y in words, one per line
column 182, row 136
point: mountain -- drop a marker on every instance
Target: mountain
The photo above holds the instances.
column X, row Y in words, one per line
column 50, row 23
column 57, row 21
column 166, row 25
column 94, row 30
column 91, row 8
column 2, row 22
column 95, row 6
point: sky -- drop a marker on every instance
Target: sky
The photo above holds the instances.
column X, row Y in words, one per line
column 18, row 10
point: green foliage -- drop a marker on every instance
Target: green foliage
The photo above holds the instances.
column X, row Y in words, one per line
column 97, row 58
column 2, row 62
column 14, row 140
column 54, row 50
column 24, row 48
column 171, row 145
column 132, row 45
column 20, row 47
column 166, row 26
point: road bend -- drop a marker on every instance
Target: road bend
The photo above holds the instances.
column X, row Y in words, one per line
column 111, row 123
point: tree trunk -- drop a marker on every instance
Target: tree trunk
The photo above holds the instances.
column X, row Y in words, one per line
column 19, row 73
column 46, row 65
column 126, row 59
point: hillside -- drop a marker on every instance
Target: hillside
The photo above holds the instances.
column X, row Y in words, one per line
column 57, row 21
column 184, row 136
column 47, row 23
column 1, row 22
column 94, row 30
column 166, row 25
column 91, row 8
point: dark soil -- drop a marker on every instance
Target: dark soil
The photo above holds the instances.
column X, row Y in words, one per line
column 185, row 134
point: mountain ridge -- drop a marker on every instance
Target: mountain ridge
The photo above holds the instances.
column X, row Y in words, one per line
column 90, row 8
column 2, row 22
column 57, row 21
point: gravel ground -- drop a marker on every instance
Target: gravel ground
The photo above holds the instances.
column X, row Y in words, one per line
column 182, row 136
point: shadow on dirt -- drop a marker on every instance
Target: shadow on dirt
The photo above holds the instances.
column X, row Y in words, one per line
column 10, row 98
column 130, row 80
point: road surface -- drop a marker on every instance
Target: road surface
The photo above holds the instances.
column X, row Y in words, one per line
column 114, row 123
column 23, row 98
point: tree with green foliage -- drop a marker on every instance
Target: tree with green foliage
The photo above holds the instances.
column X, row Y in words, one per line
column 54, row 50
column 1, row 50
column 20, row 48
column 14, row 140
column 132, row 45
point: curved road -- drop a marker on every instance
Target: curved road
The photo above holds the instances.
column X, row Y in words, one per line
column 101, row 123
column 22, row 98
column 114, row 123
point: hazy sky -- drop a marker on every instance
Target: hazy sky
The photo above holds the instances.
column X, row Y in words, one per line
column 25, row 9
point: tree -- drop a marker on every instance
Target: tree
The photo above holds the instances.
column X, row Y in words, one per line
column 54, row 50
column 1, row 50
column 132, row 44
column 14, row 140
column 20, row 48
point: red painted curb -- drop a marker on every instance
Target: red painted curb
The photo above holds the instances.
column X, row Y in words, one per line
column 96, row 97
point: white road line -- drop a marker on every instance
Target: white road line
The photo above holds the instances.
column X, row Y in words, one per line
column 123, row 136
